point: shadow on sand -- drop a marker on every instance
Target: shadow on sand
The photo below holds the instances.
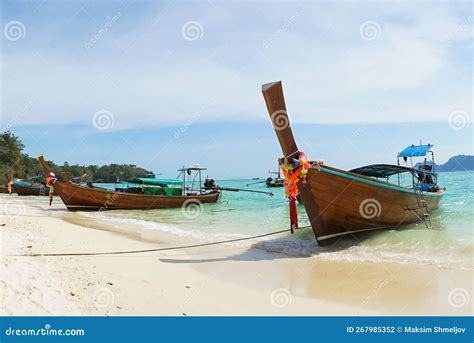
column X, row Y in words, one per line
column 299, row 245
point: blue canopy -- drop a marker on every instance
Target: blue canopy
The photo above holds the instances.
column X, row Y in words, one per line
column 416, row 150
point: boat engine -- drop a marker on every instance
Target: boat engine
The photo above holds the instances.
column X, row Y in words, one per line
column 210, row 184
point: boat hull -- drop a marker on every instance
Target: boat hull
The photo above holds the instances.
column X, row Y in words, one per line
column 340, row 202
column 23, row 190
column 79, row 198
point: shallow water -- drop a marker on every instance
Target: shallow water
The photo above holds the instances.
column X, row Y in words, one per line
column 448, row 244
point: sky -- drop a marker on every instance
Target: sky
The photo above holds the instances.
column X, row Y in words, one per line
column 162, row 84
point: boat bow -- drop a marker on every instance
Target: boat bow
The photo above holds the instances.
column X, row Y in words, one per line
column 275, row 101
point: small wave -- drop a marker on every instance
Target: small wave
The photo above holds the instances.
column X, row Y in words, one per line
column 411, row 247
column 448, row 253
column 367, row 254
column 146, row 228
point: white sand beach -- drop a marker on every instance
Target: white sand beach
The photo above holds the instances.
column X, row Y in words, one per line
column 213, row 280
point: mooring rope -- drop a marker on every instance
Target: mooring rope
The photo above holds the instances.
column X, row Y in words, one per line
column 159, row 249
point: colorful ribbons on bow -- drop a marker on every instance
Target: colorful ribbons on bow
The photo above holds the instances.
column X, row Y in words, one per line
column 294, row 172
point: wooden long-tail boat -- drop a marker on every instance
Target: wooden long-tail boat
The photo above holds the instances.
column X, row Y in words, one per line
column 274, row 182
column 81, row 198
column 275, row 179
column 25, row 187
column 339, row 202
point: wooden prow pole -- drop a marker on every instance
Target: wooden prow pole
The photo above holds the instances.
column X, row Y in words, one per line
column 46, row 169
column 273, row 94
column 43, row 165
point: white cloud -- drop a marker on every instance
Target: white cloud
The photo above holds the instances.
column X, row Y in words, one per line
column 144, row 72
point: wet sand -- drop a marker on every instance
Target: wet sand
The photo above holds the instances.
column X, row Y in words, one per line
column 212, row 280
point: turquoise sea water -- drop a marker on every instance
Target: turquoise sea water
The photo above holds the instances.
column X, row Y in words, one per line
column 448, row 244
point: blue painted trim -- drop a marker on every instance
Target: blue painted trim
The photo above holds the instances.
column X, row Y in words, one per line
column 374, row 183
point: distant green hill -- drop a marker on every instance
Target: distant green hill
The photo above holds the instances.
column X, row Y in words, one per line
column 455, row 163
column 458, row 163
column 16, row 164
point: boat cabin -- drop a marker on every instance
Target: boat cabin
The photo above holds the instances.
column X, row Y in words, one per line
column 151, row 186
column 423, row 175
column 189, row 184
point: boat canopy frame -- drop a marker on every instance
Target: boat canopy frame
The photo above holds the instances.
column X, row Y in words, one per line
column 425, row 172
column 418, row 151
column 190, row 184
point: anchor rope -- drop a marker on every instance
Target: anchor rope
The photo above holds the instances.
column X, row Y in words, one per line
column 158, row 249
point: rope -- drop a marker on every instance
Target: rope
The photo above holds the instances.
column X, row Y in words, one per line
column 158, row 249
